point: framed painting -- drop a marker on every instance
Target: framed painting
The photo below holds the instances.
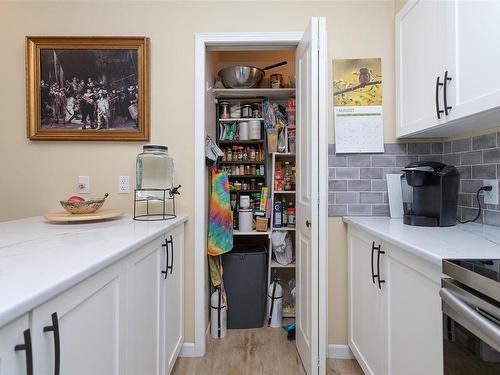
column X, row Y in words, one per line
column 88, row 88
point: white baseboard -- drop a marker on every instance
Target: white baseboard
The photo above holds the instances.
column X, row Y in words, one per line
column 188, row 350
column 339, row 351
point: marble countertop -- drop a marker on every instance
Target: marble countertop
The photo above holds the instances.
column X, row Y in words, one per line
column 434, row 243
column 39, row 260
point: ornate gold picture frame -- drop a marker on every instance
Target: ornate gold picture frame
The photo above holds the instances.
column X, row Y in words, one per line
column 88, row 88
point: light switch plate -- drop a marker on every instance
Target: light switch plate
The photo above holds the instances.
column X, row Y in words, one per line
column 83, row 185
column 491, row 197
column 123, row 184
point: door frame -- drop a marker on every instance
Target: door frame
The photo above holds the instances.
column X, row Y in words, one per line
column 228, row 41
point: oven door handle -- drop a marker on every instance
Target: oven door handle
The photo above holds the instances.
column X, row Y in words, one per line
column 482, row 324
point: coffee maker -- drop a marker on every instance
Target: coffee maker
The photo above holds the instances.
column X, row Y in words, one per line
column 433, row 194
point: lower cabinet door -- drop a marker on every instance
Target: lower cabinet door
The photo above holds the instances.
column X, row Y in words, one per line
column 173, row 299
column 86, row 321
column 367, row 318
column 14, row 361
column 415, row 322
column 144, row 282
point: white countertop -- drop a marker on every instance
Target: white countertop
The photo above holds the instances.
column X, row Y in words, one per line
column 39, row 260
column 434, row 244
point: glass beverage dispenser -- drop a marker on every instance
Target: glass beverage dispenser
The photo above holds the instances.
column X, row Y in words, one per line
column 155, row 171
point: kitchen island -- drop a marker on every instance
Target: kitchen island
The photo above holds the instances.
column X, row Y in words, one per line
column 104, row 285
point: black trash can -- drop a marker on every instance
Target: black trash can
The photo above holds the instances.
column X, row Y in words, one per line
column 245, row 283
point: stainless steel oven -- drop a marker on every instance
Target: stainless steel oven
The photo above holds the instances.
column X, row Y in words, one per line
column 471, row 317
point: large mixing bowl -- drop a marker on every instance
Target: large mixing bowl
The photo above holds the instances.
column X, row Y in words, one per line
column 241, row 77
column 244, row 76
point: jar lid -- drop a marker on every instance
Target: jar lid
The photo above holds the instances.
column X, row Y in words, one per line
column 155, row 147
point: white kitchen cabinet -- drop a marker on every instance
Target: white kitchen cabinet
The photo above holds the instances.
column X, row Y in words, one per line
column 90, row 324
column 144, row 282
column 14, row 361
column 172, row 294
column 414, row 319
column 367, row 330
column 450, row 41
column 472, row 59
column 419, row 63
column 394, row 328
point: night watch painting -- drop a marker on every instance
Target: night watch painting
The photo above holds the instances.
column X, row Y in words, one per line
column 88, row 88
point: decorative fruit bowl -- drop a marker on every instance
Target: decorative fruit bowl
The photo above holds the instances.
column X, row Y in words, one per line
column 78, row 205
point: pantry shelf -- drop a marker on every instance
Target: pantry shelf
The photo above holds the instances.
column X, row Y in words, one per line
column 285, row 229
column 284, row 192
column 252, row 233
column 241, row 162
column 241, row 119
column 275, row 94
column 246, row 176
column 242, row 143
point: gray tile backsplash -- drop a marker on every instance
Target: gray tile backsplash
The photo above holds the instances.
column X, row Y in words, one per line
column 358, row 184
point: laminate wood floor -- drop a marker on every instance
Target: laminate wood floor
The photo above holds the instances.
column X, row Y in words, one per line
column 261, row 351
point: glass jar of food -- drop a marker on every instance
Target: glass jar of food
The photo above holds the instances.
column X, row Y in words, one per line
column 154, row 170
column 224, row 110
column 246, row 111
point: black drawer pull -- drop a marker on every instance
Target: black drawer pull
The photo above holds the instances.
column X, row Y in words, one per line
column 438, row 111
column 57, row 344
column 371, row 263
column 171, row 266
column 380, row 280
column 29, row 352
column 447, row 108
column 167, row 262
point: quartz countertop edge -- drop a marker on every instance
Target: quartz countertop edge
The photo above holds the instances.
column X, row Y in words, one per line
column 39, row 260
column 462, row 241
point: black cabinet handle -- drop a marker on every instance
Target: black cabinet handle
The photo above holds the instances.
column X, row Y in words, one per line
column 308, row 223
column 371, row 263
column 57, row 344
column 447, row 108
column 380, row 281
column 29, row 352
column 438, row 111
column 171, row 266
column 167, row 263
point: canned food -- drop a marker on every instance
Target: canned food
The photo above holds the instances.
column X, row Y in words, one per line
column 224, row 110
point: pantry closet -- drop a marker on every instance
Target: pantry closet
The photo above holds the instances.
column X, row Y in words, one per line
column 275, row 230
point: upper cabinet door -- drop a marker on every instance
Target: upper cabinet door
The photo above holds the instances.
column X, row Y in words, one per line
column 472, row 57
column 419, row 63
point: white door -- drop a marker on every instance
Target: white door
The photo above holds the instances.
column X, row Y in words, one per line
column 367, row 322
column 90, row 327
column 13, row 334
column 144, row 281
column 173, row 299
column 472, row 59
column 311, row 97
column 420, row 31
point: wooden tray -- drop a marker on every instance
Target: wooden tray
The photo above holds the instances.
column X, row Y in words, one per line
column 67, row 217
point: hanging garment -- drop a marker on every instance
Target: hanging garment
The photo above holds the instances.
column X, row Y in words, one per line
column 220, row 223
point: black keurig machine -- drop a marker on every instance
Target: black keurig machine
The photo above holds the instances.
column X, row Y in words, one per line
column 433, row 189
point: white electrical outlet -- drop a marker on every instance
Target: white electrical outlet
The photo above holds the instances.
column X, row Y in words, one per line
column 491, row 197
column 83, row 185
column 124, row 184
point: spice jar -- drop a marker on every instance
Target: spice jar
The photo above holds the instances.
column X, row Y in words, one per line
column 261, row 170
column 246, row 111
column 252, row 153
column 253, row 184
column 253, row 169
column 224, row 110
column 237, row 185
column 260, row 185
column 244, row 186
column 245, row 154
column 247, row 169
column 229, row 154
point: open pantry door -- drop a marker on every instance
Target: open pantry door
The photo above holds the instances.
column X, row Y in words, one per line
column 311, row 221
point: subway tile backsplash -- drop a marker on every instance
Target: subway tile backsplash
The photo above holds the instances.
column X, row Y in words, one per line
column 357, row 182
